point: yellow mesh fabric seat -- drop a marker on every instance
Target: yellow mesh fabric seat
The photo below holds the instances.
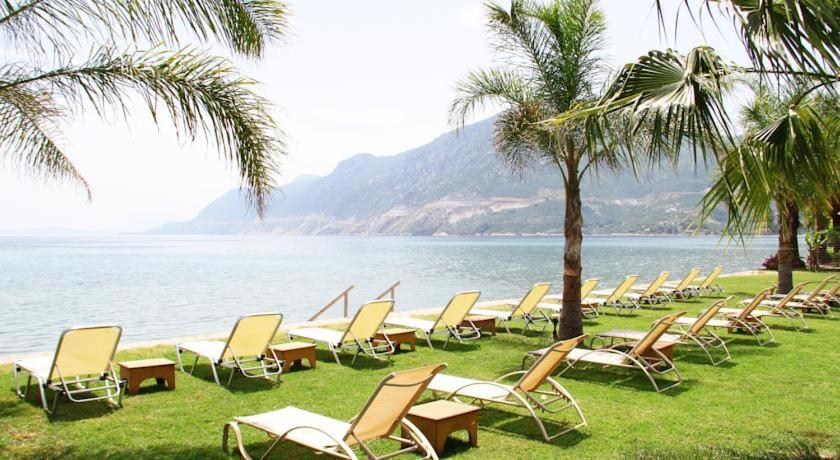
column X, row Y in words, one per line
column 359, row 335
column 448, row 321
column 524, row 308
column 243, row 352
column 535, row 390
column 641, row 354
column 378, row 420
column 81, row 368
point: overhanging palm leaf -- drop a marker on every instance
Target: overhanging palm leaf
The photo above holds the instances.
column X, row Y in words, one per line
column 201, row 94
column 784, row 35
column 246, row 26
column 24, row 129
column 678, row 99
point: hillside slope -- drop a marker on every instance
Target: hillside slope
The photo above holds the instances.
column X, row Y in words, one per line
column 456, row 185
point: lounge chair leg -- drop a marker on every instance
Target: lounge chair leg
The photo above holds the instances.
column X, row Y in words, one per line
column 212, row 368
column 505, row 324
column 178, row 355
column 428, row 336
column 238, row 434
column 334, row 353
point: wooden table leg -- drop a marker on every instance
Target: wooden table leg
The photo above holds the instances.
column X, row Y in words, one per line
column 472, row 430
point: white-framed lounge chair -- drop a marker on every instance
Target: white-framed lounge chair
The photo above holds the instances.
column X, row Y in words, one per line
column 448, row 322
column 642, row 355
column 738, row 319
column 694, row 332
column 651, row 293
column 682, row 289
column 709, row 283
column 379, row 419
column 554, row 303
column 524, row 308
column 243, row 352
column 613, row 297
column 359, row 335
column 534, row 391
column 81, row 368
column 779, row 308
column 817, row 300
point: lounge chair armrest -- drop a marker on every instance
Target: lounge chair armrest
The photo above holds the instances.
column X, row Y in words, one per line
column 508, row 375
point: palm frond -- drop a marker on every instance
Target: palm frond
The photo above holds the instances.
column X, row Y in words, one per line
column 481, row 88
column 246, row 26
column 787, row 36
column 26, row 138
column 679, row 99
column 201, row 94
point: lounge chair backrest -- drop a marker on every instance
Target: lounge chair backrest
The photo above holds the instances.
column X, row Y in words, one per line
column 391, row 400
column 756, row 301
column 622, row 289
column 711, row 277
column 547, row 363
column 789, row 296
column 707, row 315
column 656, row 284
column 457, row 309
column 85, row 351
column 660, row 327
column 692, row 274
column 834, row 290
column 368, row 320
column 816, row 292
column 532, row 299
column 587, row 287
column 251, row 334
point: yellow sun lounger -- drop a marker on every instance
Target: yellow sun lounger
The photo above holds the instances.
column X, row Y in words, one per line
column 534, row 391
column 780, row 308
column 683, row 332
column 708, row 285
column 682, row 289
column 588, row 306
column 613, row 297
column 448, row 322
column 242, row 352
column 640, row 355
column 739, row 319
column 650, row 294
column 524, row 308
column 359, row 336
column 379, row 419
column 81, row 367
column 818, row 299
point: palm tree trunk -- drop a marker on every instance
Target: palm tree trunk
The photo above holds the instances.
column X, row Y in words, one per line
column 571, row 317
column 788, row 229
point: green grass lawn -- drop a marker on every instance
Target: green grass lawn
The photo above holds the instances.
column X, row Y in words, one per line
column 777, row 401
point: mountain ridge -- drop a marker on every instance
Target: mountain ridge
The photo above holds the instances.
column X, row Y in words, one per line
column 457, row 185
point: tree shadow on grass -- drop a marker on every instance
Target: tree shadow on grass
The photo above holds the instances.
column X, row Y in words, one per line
column 516, row 421
column 700, row 358
column 239, row 383
column 626, row 378
column 362, row 362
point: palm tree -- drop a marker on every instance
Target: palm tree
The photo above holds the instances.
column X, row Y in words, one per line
column 552, row 61
column 680, row 98
column 750, row 184
column 199, row 93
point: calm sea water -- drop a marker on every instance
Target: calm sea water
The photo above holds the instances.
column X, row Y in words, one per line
column 160, row 287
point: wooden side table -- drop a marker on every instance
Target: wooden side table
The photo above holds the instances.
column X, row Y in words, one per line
column 438, row 419
column 399, row 336
column 484, row 323
column 293, row 352
column 135, row 372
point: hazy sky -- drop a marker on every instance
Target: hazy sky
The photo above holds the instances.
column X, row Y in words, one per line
column 370, row 76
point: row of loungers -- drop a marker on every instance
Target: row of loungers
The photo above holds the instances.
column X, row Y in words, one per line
column 83, row 362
